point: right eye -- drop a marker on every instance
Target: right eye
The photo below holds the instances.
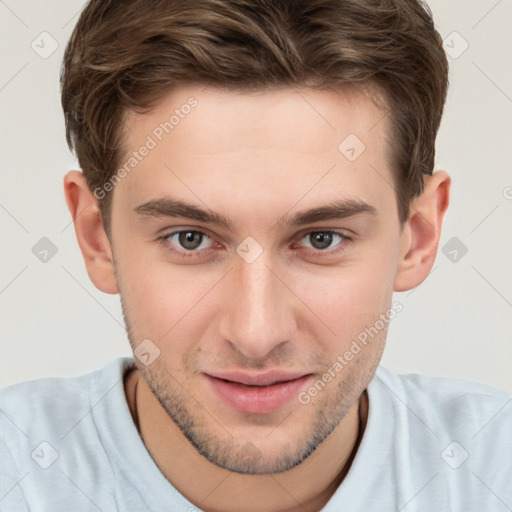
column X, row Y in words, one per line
column 188, row 241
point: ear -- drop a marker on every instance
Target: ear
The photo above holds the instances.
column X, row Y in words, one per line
column 90, row 232
column 421, row 232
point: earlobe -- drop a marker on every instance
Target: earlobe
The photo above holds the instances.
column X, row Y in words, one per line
column 421, row 233
column 90, row 232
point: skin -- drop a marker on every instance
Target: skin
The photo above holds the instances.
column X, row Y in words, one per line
column 256, row 158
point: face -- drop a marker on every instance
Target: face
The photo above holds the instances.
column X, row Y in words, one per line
column 253, row 243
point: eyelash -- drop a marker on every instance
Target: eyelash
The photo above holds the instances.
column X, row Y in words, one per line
column 342, row 245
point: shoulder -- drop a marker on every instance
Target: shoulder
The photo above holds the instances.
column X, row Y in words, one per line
column 474, row 415
column 28, row 398
column 448, row 397
column 52, row 396
column 52, row 433
column 454, row 434
column 29, row 408
column 432, row 443
column 445, row 394
column 438, row 388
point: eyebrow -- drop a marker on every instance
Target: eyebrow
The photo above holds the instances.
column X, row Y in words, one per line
column 170, row 207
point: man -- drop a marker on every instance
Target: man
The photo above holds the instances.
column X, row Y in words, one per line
column 257, row 180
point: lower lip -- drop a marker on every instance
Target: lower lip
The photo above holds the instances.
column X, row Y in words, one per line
column 255, row 399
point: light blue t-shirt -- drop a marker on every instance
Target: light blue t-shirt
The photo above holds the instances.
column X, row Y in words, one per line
column 431, row 444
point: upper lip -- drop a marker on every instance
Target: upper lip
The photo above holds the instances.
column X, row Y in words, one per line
column 257, row 379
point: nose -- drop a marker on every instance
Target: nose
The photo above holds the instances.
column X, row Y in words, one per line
column 257, row 312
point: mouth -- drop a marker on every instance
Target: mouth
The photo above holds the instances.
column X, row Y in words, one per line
column 257, row 394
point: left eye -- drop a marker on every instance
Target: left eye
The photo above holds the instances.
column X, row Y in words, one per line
column 189, row 240
column 320, row 240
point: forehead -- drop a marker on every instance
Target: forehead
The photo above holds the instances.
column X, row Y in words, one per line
column 298, row 119
column 232, row 149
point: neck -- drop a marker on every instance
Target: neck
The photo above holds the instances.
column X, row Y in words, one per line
column 308, row 486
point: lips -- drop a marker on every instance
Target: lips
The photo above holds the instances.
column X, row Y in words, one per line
column 256, row 393
column 262, row 379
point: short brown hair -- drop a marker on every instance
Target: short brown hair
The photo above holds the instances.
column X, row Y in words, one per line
column 127, row 54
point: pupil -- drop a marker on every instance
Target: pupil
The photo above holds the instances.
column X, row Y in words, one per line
column 321, row 240
column 190, row 239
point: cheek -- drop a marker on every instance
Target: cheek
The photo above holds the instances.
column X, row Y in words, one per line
column 349, row 298
column 162, row 297
column 165, row 303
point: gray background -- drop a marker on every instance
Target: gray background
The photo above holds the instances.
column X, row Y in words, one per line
column 54, row 322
